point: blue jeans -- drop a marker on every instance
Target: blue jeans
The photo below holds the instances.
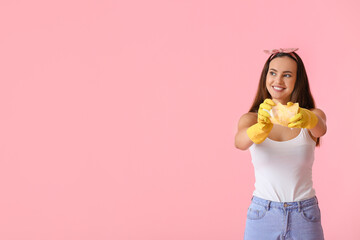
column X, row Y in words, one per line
column 269, row 220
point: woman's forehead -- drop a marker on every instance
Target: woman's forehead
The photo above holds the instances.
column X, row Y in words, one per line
column 283, row 64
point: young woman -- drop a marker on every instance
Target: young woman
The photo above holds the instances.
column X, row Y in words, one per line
column 284, row 204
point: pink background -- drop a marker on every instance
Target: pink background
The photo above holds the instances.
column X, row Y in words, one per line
column 118, row 117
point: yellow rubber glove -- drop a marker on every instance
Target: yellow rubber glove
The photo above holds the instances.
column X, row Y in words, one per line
column 303, row 119
column 260, row 130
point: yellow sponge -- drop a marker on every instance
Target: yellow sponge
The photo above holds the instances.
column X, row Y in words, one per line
column 281, row 114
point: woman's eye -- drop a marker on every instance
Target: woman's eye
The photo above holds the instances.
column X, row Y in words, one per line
column 272, row 73
column 287, row 75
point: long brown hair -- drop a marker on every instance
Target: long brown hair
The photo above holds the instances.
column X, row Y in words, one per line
column 301, row 93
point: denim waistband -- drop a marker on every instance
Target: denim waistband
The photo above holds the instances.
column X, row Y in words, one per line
column 287, row 205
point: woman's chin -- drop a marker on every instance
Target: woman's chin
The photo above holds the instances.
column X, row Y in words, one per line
column 283, row 101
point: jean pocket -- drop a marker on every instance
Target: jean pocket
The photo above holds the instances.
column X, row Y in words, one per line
column 256, row 212
column 311, row 213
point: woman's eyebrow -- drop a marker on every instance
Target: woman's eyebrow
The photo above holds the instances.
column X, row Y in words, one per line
column 284, row 71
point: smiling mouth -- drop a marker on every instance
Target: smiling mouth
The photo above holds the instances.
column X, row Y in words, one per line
column 278, row 89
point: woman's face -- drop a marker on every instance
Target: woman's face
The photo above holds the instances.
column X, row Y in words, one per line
column 281, row 77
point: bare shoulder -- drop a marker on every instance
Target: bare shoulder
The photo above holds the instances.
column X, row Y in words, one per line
column 319, row 112
column 247, row 119
column 248, row 116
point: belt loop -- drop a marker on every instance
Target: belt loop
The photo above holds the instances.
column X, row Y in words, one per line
column 299, row 206
column 268, row 205
column 316, row 200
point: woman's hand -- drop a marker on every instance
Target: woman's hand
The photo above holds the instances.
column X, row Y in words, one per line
column 263, row 116
column 260, row 130
column 303, row 119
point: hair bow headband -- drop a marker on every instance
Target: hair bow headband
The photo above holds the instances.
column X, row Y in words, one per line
column 283, row 50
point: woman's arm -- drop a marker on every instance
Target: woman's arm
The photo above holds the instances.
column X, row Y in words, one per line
column 242, row 140
column 320, row 128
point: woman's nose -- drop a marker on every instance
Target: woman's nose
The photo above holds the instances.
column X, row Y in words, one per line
column 279, row 79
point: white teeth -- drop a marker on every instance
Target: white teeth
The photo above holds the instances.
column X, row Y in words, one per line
column 277, row 88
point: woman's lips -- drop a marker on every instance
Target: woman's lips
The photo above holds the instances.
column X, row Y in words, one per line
column 278, row 89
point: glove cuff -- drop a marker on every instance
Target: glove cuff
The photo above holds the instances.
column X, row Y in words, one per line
column 313, row 120
column 259, row 132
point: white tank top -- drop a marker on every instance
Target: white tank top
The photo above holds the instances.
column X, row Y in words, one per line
column 283, row 169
